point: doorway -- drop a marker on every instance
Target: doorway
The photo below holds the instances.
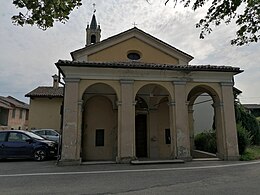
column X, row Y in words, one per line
column 141, row 135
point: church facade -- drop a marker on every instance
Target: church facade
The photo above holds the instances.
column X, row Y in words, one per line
column 131, row 97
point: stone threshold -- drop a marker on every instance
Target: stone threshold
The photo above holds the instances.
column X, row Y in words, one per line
column 97, row 162
column 146, row 162
column 206, row 159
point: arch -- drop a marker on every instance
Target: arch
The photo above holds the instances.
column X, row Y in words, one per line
column 198, row 90
column 165, row 89
column 99, row 123
column 98, row 86
column 93, row 39
column 217, row 126
column 152, row 121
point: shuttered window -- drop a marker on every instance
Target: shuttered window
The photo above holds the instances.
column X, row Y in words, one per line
column 167, row 136
column 100, row 137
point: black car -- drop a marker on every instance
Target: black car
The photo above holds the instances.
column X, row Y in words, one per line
column 25, row 144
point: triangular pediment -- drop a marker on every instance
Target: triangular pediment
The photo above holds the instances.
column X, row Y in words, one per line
column 117, row 49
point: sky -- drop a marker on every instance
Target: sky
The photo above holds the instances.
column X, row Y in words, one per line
column 28, row 54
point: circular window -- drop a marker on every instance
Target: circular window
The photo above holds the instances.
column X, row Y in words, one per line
column 133, row 56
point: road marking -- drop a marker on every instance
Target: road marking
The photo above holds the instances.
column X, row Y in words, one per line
column 129, row 170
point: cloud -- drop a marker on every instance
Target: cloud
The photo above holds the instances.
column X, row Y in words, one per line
column 28, row 54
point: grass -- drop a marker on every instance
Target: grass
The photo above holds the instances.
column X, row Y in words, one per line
column 251, row 153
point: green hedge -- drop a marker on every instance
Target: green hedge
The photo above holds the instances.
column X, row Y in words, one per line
column 206, row 141
column 244, row 138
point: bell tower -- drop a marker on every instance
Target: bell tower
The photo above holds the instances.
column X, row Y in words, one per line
column 93, row 31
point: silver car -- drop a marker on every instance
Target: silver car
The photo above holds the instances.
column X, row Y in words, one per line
column 49, row 134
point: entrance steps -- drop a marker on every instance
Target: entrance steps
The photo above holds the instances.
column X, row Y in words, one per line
column 98, row 162
column 146, row 162
column 199, row 155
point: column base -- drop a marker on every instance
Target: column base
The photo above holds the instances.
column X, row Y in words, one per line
column 124, row 160
column 185, row 158
column 228, row 158
column 68, row 162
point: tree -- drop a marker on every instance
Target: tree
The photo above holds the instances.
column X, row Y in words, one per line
column 224, row 11
column 44, row 13
column 248, row 121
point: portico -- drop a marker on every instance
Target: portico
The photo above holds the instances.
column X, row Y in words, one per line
column 142, row 111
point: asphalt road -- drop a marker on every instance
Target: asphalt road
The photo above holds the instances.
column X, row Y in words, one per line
column 219, row 177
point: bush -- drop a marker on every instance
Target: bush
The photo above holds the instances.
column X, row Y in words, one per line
column 206, row 141
column 251, row 153
column 249, row 122
column 244, row 138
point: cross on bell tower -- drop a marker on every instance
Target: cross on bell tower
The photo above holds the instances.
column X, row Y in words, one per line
column 93, row 31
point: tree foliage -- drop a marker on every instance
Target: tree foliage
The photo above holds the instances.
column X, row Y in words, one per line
column 246, row 14
column 249, row 122
column 244, row 138
column 43, row 13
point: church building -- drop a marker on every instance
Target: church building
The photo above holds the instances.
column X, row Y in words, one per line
column 131, row 96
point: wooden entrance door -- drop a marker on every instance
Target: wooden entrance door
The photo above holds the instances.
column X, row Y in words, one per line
column 141, row 135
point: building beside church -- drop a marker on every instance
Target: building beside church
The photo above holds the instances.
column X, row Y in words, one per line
column 45, row 106
column 131, row 96
column 13, row 113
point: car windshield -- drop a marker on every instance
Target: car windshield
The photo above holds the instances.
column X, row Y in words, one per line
column 32, row 135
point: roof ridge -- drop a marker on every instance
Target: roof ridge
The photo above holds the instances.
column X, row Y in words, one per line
column 142, row 65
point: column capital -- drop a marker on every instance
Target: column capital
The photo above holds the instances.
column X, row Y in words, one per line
column 171, row 103
column 219, row 104
column 119, row 103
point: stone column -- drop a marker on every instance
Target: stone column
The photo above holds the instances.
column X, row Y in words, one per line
column 173, row 129
column 71, row 128
column 220, row 129
column 126, row 123
column 229, row 121
column 182, row 121
column 79, row 129
column 191, row 127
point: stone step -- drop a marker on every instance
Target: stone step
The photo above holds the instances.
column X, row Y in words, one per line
column 146, row 162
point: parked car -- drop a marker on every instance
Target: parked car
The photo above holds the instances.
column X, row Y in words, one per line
column 49, row 134
column 25, row 144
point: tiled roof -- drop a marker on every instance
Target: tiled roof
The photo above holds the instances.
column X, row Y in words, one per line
column 252, row 106
column 12, row 102
column 46, row 92
column 140, row 65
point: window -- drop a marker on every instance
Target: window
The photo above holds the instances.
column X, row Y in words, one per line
column 52, row 133
column 133, row 56
column 167, row 136
column 100, row 137
column 27, row 115
column 93, row 39
column 2, row 136
column 40, row 132
column 17, row 137
column 13, row 113
column 21, row 113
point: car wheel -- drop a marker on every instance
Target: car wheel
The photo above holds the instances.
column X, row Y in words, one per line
column 39, row 155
